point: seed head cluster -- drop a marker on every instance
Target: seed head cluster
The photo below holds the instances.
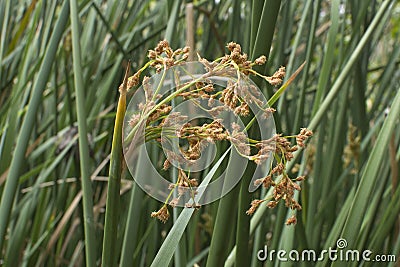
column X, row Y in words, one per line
column 163, row 124
column 283, row 186
column 164, row 56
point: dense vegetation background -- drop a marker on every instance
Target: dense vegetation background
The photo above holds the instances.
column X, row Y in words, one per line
column 61, row 63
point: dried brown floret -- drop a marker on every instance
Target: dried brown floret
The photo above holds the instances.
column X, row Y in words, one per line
column 291, row 220
column 162, row 214
column 265, row 149
column 134, row 80
column 277, row 78
column 303, row 136
column 278, row 169
column 254, row 205
column 272, row 204
column 192, row 205
column 261, row 60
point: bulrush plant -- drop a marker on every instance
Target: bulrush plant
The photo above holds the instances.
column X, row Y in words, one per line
column 157, row 116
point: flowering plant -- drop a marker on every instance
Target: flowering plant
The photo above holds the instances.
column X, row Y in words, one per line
column 220, row 95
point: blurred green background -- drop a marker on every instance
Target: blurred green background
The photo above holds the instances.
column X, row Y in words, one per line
column 64, row 60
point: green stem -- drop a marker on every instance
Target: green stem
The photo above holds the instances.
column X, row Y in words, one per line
column 222, row 228
column 90, row 240
column 110, row 254
column 18, row 158
column 243, row 257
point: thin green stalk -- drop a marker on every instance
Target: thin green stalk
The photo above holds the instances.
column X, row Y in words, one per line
column 323, row 108
column 265, row 32
column 235, row 28
column 329, row 56
column 107, row 25
column 257, row 244
column 370, row 176
column 172, row 21
column 18, row 159
column 13, row 116
column 337, row 226
column 5, row 11
column 261, row 45
column 178, row 255
column 20, row 232
column 298, row 120
column 389, row 219
column 165, row 253
column 131, row 236
column 223, row 226
column 263, row 42
column 243, row 256
column 89, row 223
column 110, row 254
column 300, row 32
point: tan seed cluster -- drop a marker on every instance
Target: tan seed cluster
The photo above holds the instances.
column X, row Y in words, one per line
column 162, row 214
column 285, row 188
column 163, row 55
column 277, row 78
column 303, row 136
column 254, row 205
column 291, row 220
column 235, row 96
column 284, row 147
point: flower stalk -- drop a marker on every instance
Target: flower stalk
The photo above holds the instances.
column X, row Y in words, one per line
column 110, row 255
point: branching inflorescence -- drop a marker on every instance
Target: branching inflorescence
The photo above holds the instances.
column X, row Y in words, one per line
column 158, row 117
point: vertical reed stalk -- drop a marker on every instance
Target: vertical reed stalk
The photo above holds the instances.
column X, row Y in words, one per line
column 87, row 198
column 110, row 253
